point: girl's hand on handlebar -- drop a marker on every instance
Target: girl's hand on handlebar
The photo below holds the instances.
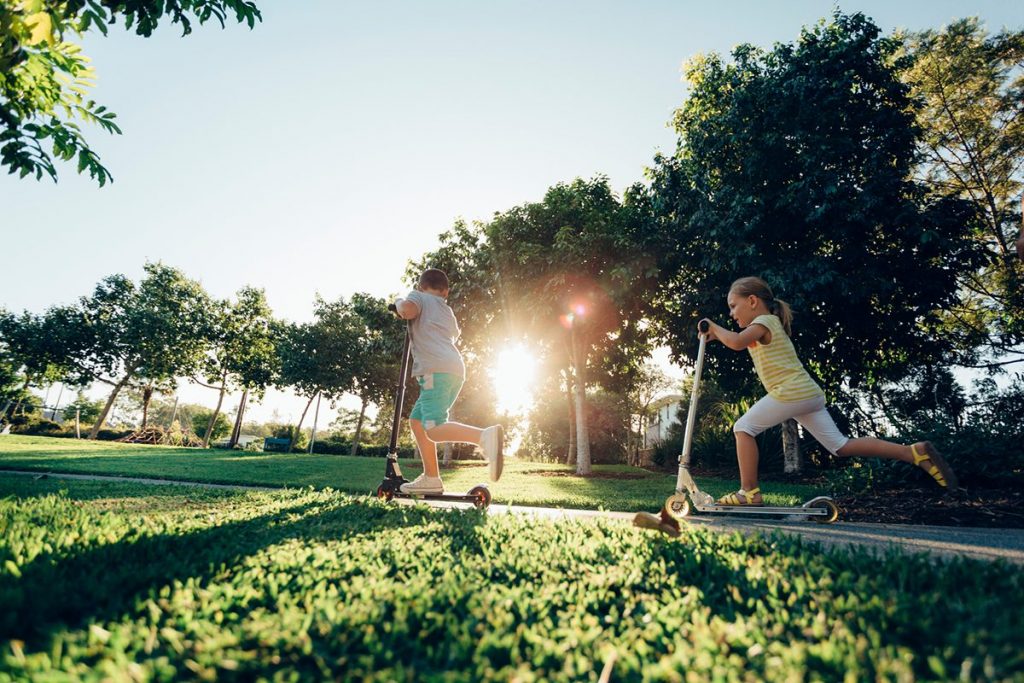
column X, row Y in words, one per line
column 706, row 328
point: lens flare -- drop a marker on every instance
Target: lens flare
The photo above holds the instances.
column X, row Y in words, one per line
column 514, row 376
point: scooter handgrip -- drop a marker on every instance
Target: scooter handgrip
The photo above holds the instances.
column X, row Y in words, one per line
column 703, row 326
column 392, row 308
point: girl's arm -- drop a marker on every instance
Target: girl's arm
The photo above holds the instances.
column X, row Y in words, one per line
column 737, row 341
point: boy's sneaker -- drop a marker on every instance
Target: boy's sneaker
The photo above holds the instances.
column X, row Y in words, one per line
column 492, row 441
column 423, row 485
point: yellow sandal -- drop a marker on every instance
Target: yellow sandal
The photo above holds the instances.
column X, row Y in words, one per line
column 940, row 470
column 734, row 498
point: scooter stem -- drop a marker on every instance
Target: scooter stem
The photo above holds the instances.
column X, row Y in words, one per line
column 684, row 480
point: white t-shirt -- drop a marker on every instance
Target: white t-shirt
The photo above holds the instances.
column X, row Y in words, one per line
column 434, row 332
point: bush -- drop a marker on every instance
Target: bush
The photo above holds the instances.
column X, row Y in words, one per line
column 331, row 446
column 113, row 434
column 34, row 425
column 982, row 439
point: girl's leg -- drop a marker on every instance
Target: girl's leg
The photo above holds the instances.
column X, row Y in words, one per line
column 921, row 454
column 763, row 415
column 748, row 456
column 428, row 449
column 876, row 448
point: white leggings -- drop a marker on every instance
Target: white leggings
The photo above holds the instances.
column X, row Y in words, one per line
column 810, row 413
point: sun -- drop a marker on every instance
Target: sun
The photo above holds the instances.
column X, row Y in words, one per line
column 514, row 377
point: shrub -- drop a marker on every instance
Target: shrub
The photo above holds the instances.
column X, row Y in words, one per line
column 35, row 425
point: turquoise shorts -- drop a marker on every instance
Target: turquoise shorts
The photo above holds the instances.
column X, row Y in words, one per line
column 438, row 392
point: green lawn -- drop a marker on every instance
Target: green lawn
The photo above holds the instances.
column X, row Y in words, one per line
column 117, row 581
column 615, row 487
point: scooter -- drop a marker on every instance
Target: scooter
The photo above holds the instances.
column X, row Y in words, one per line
column 479, row 496
column 821, row 509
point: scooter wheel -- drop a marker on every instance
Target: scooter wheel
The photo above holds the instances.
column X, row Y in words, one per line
column 481, row 497
column 826, row 504
column 677, row 505
column 385, row 493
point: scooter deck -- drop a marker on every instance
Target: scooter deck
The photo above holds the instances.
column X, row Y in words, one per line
column 461, row 497
column 763, row 510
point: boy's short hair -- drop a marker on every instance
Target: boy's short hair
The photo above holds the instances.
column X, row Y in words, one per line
column 434, row 279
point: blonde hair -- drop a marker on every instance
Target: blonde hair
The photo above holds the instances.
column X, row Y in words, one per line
column 755, row 286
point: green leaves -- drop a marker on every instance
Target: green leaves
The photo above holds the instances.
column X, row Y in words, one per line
column 45, row 80
column 795, row 164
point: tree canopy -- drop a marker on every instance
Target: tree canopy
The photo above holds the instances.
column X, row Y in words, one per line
column 45, row 78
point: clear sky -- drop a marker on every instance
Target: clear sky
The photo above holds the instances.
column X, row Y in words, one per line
column 322, row 150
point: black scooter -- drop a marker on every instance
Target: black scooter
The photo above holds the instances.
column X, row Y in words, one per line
column 479, row 496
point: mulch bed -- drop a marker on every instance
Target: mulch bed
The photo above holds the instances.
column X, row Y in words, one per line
column 978, row 507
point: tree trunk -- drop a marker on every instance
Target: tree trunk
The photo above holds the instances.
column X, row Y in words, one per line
column 582, row 433
column 94, row 432
column 792, row 463
column 3, row 413
column 447, row 454
column 570, row 453
column 236, row 431
column 298, row 428
column 147, row 396
column 359, row 428
column 216, row 414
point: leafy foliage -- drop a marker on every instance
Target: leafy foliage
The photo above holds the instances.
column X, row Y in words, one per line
column 45, row 79
column 817, row 199
column 971, row 86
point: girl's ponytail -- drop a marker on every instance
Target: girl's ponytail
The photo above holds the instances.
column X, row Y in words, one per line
column 784, row 312
column 755, row 286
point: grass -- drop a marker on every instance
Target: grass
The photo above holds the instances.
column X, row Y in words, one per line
column 615, row 487
column 115, row 581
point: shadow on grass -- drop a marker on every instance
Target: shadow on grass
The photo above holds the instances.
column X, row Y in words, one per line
column 103, row 582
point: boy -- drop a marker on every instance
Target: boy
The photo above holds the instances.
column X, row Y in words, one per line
column 440, row 372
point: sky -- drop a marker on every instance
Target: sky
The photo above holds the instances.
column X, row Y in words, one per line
column 321, row 151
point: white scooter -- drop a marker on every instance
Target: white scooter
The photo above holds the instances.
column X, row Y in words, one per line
column 677, row 506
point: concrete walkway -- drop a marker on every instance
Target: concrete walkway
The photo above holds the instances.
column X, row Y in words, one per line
column 977, row 543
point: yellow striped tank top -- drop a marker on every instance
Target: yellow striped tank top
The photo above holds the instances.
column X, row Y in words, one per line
column 777, row 366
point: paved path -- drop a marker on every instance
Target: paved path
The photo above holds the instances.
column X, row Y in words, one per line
column 978, row 543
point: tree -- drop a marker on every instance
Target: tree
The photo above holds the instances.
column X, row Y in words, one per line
column 86, row 409
column 28, row 348
column 44, row 78
column 648, row 385
column 571, row 272
column 378, row 348
column 242, row 350
column 212, row 424
column 971, row 86
column 320, row 357
column 818, row 200
column 125, row 334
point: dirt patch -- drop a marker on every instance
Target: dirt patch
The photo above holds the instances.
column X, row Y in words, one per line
column 593, row 475
column 993, row 508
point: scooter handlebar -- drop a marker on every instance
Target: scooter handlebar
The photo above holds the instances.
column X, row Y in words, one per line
column 393, row 308
column 703, row 326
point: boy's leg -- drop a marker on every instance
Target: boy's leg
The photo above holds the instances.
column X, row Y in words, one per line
column 428, row 449
column 445, row 389
column 455, row 432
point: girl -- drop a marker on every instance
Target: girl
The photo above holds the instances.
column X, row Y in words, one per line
column 792, row 393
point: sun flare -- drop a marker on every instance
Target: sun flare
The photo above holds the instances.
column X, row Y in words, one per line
column 514, row 376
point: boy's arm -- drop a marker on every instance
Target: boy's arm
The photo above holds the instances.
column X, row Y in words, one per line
column 406, row 309
column 737, row 341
